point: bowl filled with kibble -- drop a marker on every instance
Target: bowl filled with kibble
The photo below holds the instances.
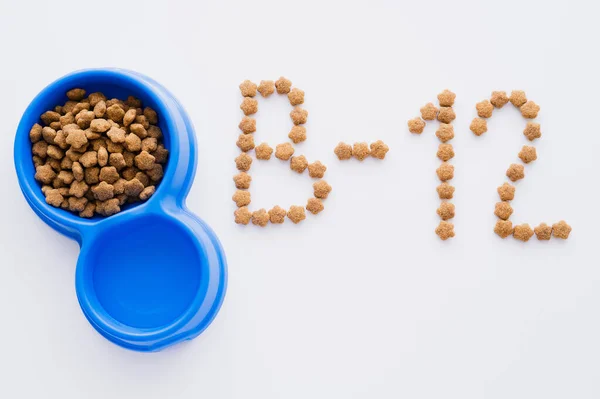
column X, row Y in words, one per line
column 107, row 157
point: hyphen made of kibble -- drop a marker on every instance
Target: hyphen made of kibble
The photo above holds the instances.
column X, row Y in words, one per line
column 92, row 155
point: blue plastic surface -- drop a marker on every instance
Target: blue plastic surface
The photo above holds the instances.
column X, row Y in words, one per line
column 154, row 274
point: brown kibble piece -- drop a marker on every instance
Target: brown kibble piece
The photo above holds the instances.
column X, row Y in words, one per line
column 299, row 163
column 445, row 230
column 446, row 210
column 109, row 174
column 45, row 174
column 343, row 151
column 48, row 134
column 314, row 205
column 78, row 189
column 67, row 119
column 40, row 149
column 543, row 232
column 54, row 152
column 243, row 162
column 445, row 171
column 61, row 140
column 133, row 187
column 445, row 152
column 379, row 149
column 445, row 132
column 277, row 215
column 429, row 112
column 321, row 189
column 266, row 88
column 249, row 106
column 518, row 98
column 445, row 191
column 446, row 115
column 499, row 99
column 100, row 125
column 446, row 98
column 109, row 207
column 316, row 169
column 144, row 160
column 283, row 85
column 296, row 214
column 133, row 143
column 65, row 177
column 241, row 198
column 50, row 116
column 129, row 117
column 242, row 215
column 515, row 172
column 532, row 131
column 54, row 198
column 530, row 110
column 103, row 191
column 92, row 175
column 95, row 98
column 76, row 94
column 478, row 126
column 161, row 154
column 360, row 151
column 119, row 186
column 504, row 228
column 116, row 135
column 242, row 180
column 147, row 192
column 506, row 192
column 77, row 171
column 114, row 148
column 115, row 113
column 503, row 210
column 84, row 119
column 77, row 204
column 139, row 130
column 89, row 159
column 88, row 211
column 102, row 156
column 35, row 134
column 247, row 125
column 299, row 115
column 284, row 151
column 528, row 154
column 149, row 144
column 296, row 96
column 248, row 88
column 260, row 218
column 523, row 232
column 151, row 115
column 561, row 230
column 77, row 139
column 297, row 134
column 245, row 142
column 263, row 151
column 484, row 109
column 156, row 173
column 143, row 178
column 99, row 110
column 416, row 125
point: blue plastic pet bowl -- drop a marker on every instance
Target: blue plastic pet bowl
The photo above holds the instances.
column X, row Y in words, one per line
column 154, row 274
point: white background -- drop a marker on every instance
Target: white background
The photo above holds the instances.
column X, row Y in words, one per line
column 363, row 300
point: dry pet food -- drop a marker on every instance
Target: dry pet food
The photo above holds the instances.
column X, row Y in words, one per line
column 379, row 149
column 260, row 218
column 296, row 96
column 515, row 172
column 528, row 154
column 445, row 152
column 484, row 109
column 445, row 171
column 506, row 192
column 242, row 215
column 283, row 85
column 523, row 232
column 284, row 151
column 478, row 126
column 297, row 134
column 266, row 88
column 321, row 189
column 245, row 142
column 416, row 125
column 446, row 115
column 248, row 88
column 446, row 98
column 247, row 125
column 543, row 232
column 296, row 214
column 314, row 205
column 81, row 149
column 445, row 230
column 504, row 228
column 360, row 151
column 277, row 215
column 446, row 210
column 242, row 180
column 561, row 230
column 499, row 99
column 316, row 169
column 299, row 116
column 343, row 151
column 532, row 131
column 429, row 112
column 243, row 162
column 518, row 98
column 503, row 210
column 263, row 152
column 530, row 110
column 299, row 164
column 241, row 198
column 249, row 106
column 445, row 132
column 445, row 191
